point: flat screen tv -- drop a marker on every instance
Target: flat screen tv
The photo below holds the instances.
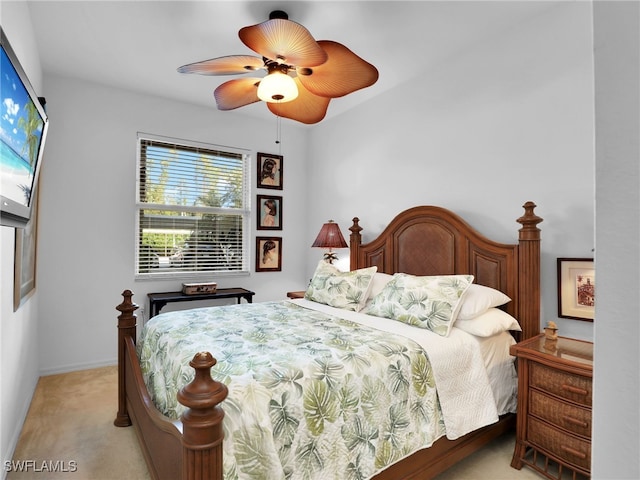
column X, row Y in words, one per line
column 23, row 129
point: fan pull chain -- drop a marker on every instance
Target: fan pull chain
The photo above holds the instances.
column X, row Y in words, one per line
column 279, row 134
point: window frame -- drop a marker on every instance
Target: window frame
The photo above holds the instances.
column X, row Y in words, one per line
column 244, row 212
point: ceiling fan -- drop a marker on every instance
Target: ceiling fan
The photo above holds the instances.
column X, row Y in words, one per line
column 303, row 74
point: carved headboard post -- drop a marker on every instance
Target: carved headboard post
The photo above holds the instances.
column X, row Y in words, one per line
column 529, row 268
column 355, row 239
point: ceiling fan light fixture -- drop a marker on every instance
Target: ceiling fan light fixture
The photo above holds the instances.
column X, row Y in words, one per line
column 277, row 87
column 324, row 70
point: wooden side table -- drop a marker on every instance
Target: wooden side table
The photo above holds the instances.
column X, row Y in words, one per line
column 159, row 300
column 554, row 406
column 298, row 294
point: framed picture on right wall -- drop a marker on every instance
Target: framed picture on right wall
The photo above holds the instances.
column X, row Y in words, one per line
column 576, row 288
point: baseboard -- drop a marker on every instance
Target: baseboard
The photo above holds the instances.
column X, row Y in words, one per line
column 77, row 367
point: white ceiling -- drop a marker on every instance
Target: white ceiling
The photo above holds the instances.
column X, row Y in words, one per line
column 137, row 45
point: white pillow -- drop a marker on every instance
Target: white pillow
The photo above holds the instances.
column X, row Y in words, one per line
column 489, row 323
column 478, row 299
column 347, row 290
column 380, row 280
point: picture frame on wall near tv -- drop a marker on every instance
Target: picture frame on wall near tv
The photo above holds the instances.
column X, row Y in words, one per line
column 23, row 130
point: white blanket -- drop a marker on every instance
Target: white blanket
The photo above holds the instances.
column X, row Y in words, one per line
column 466, row 398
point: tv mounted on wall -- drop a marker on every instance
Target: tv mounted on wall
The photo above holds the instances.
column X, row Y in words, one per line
column 23, row 129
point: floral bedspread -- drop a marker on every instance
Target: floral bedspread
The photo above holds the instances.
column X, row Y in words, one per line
column 311, row 396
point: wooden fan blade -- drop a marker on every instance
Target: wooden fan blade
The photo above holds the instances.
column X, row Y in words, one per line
column 344, row 72
column 229, row 65
column 237, row 93
column 283, row 41
column 307, row 108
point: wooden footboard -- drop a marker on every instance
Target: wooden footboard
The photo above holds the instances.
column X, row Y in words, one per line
column 187, row 449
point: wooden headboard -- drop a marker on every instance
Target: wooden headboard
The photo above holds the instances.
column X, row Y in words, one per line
column 430, row 240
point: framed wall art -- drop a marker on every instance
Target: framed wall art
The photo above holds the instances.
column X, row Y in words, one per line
column 270, row 172
column 269, row 212
column 576, row 288
column 268, row 254
column 24, row 263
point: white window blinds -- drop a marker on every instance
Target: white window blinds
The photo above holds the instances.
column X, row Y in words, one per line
column 192, row 207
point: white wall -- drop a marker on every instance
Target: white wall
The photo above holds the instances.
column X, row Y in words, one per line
column 507, row 121
column 616, row 403
column 18, row 331
column 87, row 202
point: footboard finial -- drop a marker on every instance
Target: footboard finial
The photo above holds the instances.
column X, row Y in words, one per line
column 202, row 432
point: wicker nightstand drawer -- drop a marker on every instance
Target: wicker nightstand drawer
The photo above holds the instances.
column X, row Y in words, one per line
column 570, row 417
column 571, row 449
column 572, row 387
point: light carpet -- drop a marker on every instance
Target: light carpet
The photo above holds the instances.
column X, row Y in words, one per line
column 69, row 434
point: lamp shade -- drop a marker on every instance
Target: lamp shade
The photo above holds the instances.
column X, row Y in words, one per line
column 277, row 87
column 330, row 237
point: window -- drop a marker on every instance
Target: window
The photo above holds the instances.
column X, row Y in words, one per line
column 193, row 209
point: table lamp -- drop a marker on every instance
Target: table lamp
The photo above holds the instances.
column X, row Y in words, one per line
column 330, row 237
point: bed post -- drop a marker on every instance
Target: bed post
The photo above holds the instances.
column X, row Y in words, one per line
column 126, row 328
column 202, row 432
column 529, row 272
column 355, row 239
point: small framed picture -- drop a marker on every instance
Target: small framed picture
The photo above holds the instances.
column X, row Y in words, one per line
column 24, row 266
column 270, row 171
column 576, row 288
column 269, row 212
column 268, row 254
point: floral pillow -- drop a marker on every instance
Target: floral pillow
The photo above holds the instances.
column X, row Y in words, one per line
column 347, row 290
column 426, row 302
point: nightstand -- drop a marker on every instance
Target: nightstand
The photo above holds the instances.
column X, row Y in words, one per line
column 554, row 406
column 299, row 294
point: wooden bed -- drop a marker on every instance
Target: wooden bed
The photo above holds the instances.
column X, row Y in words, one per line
column 423, row 240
